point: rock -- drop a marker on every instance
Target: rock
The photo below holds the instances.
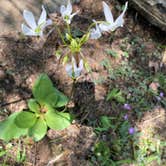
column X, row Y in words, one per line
column 153, row 10
column 2, row 74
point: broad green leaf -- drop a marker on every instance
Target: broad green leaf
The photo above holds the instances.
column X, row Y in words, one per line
column 62, row 99
column 46, row 94
column 39, row 130
column 9, row 130
column 25, row 119
column 58, row 120
column 43, row 90
column 34, row 106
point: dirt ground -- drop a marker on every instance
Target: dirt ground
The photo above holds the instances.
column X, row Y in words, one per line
column 23, row 59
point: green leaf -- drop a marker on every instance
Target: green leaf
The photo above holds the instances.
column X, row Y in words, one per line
column 68, row 37
column 58, row 54
column 86, row 65
column 116, row 95
column 62, row 99
column 43, row 91
column 9, row 130
column 58, row 120
column 111, row 53
column 84, row 38
column 46, row 94
column 39, row 130
column 105, row 122
column 25, row 119
column 65, row 60
column 33, row 106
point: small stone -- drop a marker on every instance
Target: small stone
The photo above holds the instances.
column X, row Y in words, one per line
column 2, row 74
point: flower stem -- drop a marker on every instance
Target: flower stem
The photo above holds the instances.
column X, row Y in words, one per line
column 60, row 34
column 68, row 29
column 71, row 94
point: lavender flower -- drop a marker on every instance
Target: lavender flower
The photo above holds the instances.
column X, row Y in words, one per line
column 125, row 117
column 161, row 94
column 127, row 106
column 131, row 130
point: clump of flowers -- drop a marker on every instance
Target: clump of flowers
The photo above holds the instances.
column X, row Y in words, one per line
column 109, row 24
column 75, row 62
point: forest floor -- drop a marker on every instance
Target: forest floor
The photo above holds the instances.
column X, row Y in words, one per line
column 131, row 63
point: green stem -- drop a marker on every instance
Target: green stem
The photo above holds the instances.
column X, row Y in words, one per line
column 93, row 24
column 60, row 34
column 68, row 29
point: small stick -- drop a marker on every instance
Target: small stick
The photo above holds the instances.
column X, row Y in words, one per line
column 55, row 159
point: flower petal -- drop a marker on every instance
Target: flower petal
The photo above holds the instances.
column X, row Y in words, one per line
column 108, row 14
column 78, row 70
column 95, row 33
column 62, row 9
column 27, row 31
column 120, row 21
column 104, row 27
column 81, row 64
column 43, row 16
column 68, row 69
column 68, row 8
column 30, row 19
column 47, row 23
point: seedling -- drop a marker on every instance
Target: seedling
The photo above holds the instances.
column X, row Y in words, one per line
column 42, row 113
column 115, row 94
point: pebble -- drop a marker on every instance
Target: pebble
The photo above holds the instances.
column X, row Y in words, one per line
column 2, row 74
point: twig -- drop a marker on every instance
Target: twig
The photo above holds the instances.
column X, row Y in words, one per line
column 153, row 118
column 34, row 162
column 55, row 159
column 13, row 102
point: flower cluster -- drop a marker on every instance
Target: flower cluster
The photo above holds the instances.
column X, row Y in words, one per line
column 37, row 29
column 109, row 24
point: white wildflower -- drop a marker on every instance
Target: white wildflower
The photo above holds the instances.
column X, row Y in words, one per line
column 95, row 33
column 33, row 28
column 66, row 12
column 73, row 70
column 110, row 24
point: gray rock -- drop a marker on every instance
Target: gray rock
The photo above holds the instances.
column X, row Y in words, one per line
column 153, row 10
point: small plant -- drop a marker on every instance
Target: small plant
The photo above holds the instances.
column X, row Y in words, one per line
column 116, row 147
column 43, row 112
column 115, row 94
column 111, row 53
